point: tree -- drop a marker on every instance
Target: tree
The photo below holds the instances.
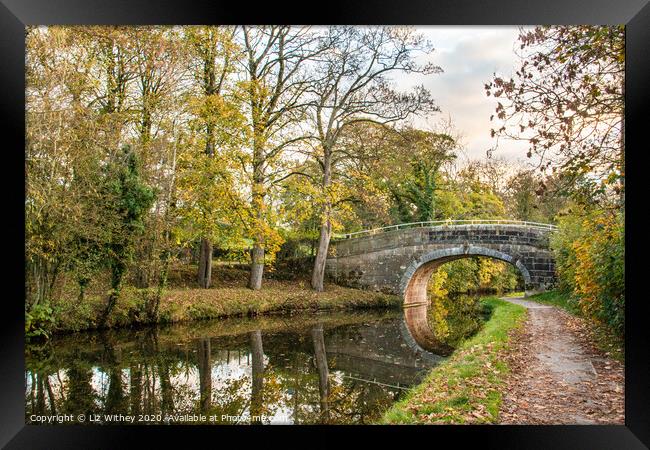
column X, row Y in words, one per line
column 353, row 85
column 469, row 196
column 567, row 101
column 127, row 202
column 76, row 118
column 209, row 193
column 414, row 174
column 158, row 66
column 399, row 172
column 532, row 197
column 275, row 81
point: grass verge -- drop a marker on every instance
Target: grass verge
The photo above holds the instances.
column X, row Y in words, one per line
column 513, row 294
column 604, row 339
column 466, row 388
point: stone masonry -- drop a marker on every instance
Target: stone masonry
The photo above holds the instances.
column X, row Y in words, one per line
column 388, row 261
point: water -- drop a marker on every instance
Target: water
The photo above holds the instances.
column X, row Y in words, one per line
column 302, row 369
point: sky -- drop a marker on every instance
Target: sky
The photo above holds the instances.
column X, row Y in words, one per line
column 468, row 57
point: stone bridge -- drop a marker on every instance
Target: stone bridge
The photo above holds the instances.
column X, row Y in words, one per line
column 401, row 259
column 398, row 258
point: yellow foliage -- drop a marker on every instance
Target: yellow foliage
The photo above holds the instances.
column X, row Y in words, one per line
column 439, row 312
column 590, row 253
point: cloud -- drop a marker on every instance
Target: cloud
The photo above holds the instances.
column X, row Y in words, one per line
column 468, row 56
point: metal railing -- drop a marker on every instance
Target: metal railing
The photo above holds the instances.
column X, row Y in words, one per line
column 446, row 223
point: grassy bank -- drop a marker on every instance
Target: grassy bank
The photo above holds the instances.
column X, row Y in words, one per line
column 181, row 301
column 466, row 388
column 603, row 337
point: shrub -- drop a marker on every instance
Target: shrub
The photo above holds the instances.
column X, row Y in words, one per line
column 590, row 264
column 39, row 321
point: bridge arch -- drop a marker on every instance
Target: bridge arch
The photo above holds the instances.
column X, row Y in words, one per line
column 413, row 287
column 430, row 261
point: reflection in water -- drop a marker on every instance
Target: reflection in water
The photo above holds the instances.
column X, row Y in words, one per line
column 335, row 368
column 323, row 372
column 452, row 318
column 257, row 375
column 205, row 374
column 417, row 321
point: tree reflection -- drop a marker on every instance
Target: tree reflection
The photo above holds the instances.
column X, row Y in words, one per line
column 302, row 374
column 81, row 395
column 323, row 372
column 116, row 400
column 135, row 388
column 205, row 374
column 257, row 356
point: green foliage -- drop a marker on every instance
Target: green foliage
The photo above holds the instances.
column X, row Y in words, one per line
column 415, row 175
column 477, row 274
column 39, row 321
column 129, row 201
column 469, row 196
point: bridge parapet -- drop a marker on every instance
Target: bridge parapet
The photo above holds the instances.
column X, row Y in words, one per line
column 447, row 223
column 455, row 234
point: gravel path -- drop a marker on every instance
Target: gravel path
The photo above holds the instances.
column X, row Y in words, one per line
column 557, row 375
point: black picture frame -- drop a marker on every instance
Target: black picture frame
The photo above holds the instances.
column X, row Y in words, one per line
column 15, row 14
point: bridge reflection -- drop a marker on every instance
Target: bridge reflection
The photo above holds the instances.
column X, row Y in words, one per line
column 384, row 353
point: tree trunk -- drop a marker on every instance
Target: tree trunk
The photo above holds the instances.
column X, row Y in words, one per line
column 116, row 282
column 112, row 300
column 257, row 267
column 318, row 275
column 257, row 256
column 257, row 190
column 44, row 277
column 257, row 263
column 205, row 264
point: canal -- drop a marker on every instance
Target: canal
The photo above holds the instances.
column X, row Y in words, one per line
column 336, row 368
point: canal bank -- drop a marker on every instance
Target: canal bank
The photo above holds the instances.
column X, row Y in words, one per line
column 183, row 304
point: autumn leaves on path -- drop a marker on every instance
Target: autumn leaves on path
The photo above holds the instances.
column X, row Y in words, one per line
column 557, row 375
